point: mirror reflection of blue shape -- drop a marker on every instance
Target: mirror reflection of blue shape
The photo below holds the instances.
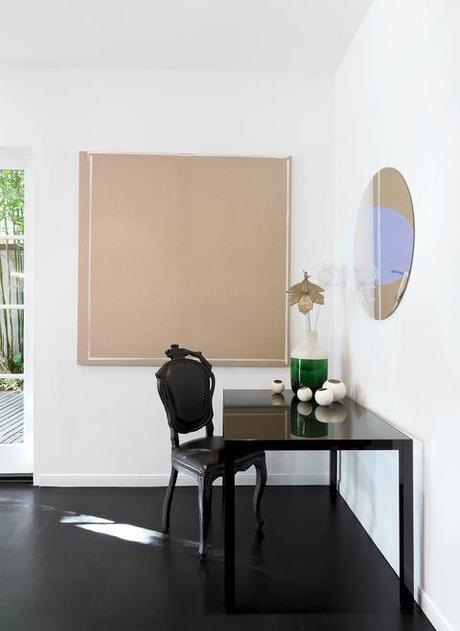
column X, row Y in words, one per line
column 393, row 244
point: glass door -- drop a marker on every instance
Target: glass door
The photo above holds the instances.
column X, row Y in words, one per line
column 15, row 417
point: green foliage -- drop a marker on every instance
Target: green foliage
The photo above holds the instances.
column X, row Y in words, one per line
column 17, row 363
column 11, row 271
column 11, row 385
column 12, row 201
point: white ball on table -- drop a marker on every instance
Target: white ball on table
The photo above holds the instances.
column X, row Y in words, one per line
column 277, row 386
column 304, row 394
column 324, row 396
column 337, row 387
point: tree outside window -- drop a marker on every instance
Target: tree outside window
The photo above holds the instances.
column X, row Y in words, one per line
column 11, row 278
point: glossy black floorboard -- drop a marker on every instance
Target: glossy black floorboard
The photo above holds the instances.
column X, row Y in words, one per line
column 62, row 569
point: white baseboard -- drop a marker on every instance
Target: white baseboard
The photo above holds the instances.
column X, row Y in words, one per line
column 434, row 615
column 162, row 479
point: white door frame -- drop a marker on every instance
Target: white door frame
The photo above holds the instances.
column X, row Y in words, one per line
column 18, row 458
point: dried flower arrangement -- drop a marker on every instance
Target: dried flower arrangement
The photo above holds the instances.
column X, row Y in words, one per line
column 305, row 295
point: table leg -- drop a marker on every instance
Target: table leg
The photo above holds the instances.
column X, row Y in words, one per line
column 406, row 526
column 333, row 471
column 229, row 559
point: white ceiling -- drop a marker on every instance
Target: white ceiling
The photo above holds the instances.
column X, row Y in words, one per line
column 261, row 35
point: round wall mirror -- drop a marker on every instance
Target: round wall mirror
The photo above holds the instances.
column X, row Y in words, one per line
column 384, row 243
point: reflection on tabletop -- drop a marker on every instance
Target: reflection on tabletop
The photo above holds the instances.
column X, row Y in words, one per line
column 311, row 421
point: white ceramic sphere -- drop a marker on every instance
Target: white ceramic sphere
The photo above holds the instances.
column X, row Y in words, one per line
column 324, row 396
column 334, row 413
column 304, row 394
column 337, row 387
column 304, row 408
column 277, row 386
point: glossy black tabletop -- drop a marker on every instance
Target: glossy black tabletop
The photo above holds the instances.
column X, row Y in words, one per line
column 261, row 416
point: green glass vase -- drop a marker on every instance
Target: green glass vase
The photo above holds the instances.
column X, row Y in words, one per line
column 308, row 363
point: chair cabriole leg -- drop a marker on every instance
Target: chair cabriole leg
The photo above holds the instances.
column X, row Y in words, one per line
column 204, row 506
column 168, row 500
column 261, row 481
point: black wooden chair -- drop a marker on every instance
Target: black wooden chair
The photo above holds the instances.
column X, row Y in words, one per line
column 186, row 386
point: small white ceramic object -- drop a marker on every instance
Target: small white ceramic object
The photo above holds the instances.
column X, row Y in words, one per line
column 305, row 408
column 304, row 394
column 337, row 387
column 334, row 413
column 324, row 396
column 277, row 386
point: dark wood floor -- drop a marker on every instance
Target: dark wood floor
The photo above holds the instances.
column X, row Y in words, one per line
column 92, row 559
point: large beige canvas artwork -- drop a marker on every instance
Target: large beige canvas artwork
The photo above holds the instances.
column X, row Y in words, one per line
column 192, row 250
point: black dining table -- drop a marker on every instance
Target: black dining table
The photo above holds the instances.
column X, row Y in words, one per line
column 259, row 419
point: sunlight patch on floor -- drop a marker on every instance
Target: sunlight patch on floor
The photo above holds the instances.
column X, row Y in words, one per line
column 126, row 532
column 84, row 519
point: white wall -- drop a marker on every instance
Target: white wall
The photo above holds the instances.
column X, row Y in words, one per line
column 397, row 103
column 105, row 424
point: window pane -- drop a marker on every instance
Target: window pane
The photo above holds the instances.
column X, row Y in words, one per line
column 11, row 201
column 11, row 271
column 11, row 411
column 11, row 341
column 11, row 293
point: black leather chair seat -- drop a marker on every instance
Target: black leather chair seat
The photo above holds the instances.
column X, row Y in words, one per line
column 203, row 454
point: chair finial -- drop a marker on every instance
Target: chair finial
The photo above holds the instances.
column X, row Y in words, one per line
column 176, row 351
